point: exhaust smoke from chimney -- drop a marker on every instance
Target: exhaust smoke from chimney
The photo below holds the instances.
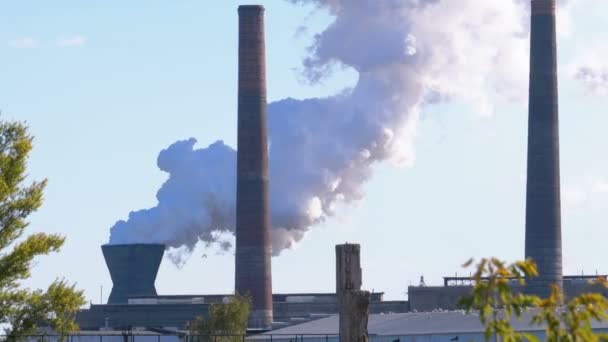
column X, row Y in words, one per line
column 322, row 150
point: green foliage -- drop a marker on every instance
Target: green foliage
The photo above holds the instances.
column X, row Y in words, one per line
column 492, row 296
column 24, row 309
column 226, row 322
column 492, row 291
column 572, row 321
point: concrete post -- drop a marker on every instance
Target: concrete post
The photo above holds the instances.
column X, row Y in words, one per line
column 353, row 303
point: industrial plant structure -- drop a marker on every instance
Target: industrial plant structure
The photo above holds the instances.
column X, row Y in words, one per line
column 133, row 268
column 134, row 301
column 252, row 262
column 543, row 214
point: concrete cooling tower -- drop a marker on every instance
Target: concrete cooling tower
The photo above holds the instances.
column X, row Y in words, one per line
column 133, row 269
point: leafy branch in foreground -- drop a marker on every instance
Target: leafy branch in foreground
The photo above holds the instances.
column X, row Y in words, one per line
column 573, row 320
column 493, row 297
column 498, row 302
column 22, row 309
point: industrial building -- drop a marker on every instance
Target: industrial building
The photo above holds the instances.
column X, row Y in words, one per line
column 172, row 313
column 134, row 303
column 446, row 297
column 435, row 326
column 438, row 326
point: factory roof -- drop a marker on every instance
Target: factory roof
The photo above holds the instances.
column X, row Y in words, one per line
column 316, row 294
column 413, row 323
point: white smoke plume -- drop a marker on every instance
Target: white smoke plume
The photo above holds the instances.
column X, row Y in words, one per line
column 592, row 72
column 594, row 79
column 407, row 53
column 589, row 67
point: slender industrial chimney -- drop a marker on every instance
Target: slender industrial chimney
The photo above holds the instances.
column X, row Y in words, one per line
column 543, row 213
column 253, row 275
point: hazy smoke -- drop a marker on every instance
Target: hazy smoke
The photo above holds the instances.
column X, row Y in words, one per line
column 589, row 67
column 407, row 53
column 594, row 78
column 196, row 201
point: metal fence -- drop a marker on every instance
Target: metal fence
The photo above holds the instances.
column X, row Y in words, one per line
column 152, row 337
column 156, row 337
column 265, row 338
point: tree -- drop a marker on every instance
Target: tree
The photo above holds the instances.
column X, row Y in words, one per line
column 226, row 322
column 493, row 297
column 24, row 309
column 572, row 320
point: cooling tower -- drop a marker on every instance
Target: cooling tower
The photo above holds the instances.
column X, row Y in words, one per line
column 133, row 269
column 252, row 269
column 543, row 213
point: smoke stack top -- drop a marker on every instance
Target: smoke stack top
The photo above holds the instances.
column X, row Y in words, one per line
column 251, row 9
column 543, row 207
column 543, row 7
column 252, row 64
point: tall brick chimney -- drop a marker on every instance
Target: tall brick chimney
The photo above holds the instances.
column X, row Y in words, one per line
column 543, row 213
column 252, row 272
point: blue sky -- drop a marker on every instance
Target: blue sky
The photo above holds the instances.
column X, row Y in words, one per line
column 105, row 87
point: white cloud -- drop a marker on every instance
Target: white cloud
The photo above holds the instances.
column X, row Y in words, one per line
column 590, row 69
column 600, row 185
column 574, row 197
column 73, row 41
column 564, row 21
column 23, row 43
column 586, row 194
column 595, row 79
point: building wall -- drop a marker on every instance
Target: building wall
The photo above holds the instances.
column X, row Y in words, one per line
column 429, row 298
column 219, row 298
column 178, row 315
column 421, row 299
column 156, row 316
column 287, row 311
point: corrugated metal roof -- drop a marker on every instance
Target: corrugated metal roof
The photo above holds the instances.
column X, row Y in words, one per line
column 412, row 323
